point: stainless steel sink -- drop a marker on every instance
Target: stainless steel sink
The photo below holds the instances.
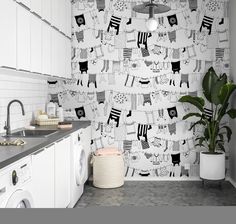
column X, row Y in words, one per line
column 33, row 133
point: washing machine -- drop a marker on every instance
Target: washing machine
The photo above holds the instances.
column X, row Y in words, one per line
column 15, row 185
column 80, row 156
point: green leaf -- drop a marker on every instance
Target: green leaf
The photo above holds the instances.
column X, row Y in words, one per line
column 222, row 110
column 221, row 147
column 201, row 140
column 191, row 115
column 200, row 122
column 221, row 136
column 219, row 141
column 220, row 82
column 226, row 91
column 196, row 101
column 206, row 133
column 232, row 113
column 197, row 139
column 228, row 132
column 200, row 145
column 208, row 83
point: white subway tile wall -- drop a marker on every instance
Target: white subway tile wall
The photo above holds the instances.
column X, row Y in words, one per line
column 32, row 92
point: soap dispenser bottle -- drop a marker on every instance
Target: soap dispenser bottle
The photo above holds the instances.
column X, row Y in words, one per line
column 51, row 109
column 60, row 114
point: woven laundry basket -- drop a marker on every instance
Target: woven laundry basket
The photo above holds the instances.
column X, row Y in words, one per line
column 108, row 171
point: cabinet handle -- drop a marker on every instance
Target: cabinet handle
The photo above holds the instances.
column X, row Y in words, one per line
column 37, row 73
column 48, row 23
column 38, row 152
column 8, row 67
column 68, row 37
column 23, row 70
column 50, row 145
column 24, row 6
column 59, row 140
column 55, row 28
column 37, row 15
column 61, row 32
column 68, row 136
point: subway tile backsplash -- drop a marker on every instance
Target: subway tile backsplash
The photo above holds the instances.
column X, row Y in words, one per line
column 32, row 92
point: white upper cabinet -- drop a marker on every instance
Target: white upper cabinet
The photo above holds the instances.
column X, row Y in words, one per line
column 46, row 49
column 8, row 34
column 46, row 10
column 68, row 58
column 36, row 44
column 25, row 2
column 62, row 13
column 34, row 36
column 54, row 53
column 55, row 19
column 68, row 17
column 36, row 6
column 23, row 38
column 62, row 53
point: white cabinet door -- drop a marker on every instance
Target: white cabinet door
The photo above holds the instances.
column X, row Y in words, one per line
column 60, row 55
column 46, row 10
column 54, row 52
column 36, row 44
column 46, row 49
column 23, row 38
column 36, row 6
column 68, row 17
column 64, row 59
column 24, row 2
column 8, row 33
column 68, row 58
column 62, row 13
column 62, row 173
column 85, row 138
column 55, row 19
column 43, row 178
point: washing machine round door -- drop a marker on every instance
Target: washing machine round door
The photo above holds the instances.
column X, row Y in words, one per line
column 80, row 167
column 20, row 199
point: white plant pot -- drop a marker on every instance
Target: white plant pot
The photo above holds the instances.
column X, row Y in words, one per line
column 212, row 166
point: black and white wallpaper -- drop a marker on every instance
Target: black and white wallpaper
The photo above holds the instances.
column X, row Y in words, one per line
column 127, row 80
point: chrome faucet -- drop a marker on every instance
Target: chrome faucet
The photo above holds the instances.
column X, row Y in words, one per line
column 7, row 124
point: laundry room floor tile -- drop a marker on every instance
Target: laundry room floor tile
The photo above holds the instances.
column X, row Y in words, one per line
column 148, row 194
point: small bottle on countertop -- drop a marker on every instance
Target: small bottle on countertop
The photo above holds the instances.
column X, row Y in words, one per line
column 51, row 109
column 60, row 114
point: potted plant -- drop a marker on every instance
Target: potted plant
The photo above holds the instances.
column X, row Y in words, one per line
column 217, row 90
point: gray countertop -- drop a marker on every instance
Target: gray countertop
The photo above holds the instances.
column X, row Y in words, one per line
column 10, row 154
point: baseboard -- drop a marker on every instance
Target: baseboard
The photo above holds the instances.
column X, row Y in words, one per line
column 174, row 179
column 162, row 179
column 168, row 179
column 157, row 179
column 231, row 181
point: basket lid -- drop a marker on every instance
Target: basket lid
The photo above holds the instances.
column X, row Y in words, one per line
column 107, row 152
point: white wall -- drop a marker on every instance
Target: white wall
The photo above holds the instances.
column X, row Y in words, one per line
column 233, row 74
column 32, row 92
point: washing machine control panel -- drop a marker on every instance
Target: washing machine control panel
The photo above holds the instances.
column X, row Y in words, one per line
column 14, row 177
column 20, row 174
